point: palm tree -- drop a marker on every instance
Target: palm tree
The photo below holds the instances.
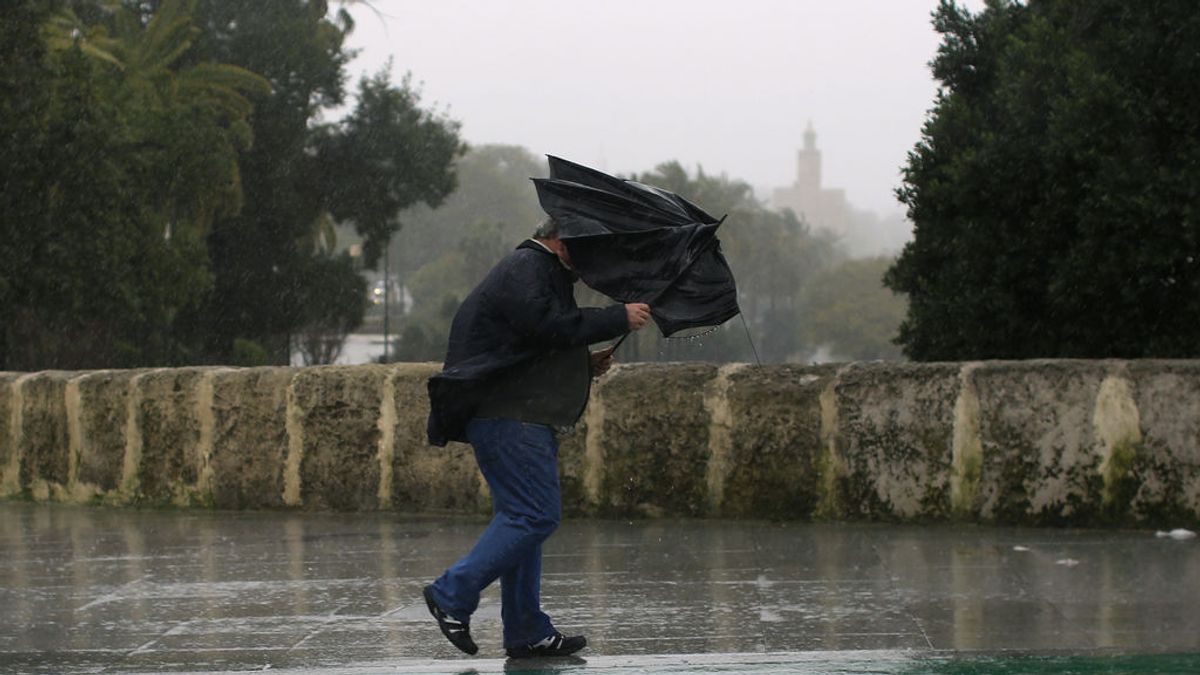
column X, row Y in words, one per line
column 145, row 51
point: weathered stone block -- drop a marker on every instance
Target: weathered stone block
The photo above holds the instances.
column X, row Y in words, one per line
column 573, row 468
column 1042, row 442
column 103, row 419
column 45, row 460
column 250, row 441
column 170, row 458
column 426, row 477
column 10, row 456
column 1168, row 464
column 773, row 462
column 895, row 431
column 655, row 439
column 338, row 409
column 1040, row 461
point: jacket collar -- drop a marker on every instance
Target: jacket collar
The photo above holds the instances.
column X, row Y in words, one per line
column 535, row 245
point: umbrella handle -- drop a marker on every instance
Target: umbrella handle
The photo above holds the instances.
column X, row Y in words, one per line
column 618, row 344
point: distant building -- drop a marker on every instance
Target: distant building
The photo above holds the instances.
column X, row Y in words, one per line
column 861, row 233
column 819, row 207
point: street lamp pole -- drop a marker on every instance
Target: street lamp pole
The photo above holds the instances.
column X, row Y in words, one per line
column 387, row 292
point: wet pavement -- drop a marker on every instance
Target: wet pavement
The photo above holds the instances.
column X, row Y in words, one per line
column 104, row 590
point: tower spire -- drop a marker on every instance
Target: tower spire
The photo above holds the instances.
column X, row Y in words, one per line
column 810, row 137
column 808, row 165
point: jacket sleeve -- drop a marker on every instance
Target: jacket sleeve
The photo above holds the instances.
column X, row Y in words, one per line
column 528, row 303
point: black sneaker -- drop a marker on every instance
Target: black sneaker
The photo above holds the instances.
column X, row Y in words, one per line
column 555, row 645
column 457, row 632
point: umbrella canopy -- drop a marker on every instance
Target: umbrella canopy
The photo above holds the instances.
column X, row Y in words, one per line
column 638, row 243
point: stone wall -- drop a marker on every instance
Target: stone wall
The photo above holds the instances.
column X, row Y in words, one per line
column 1033, row 442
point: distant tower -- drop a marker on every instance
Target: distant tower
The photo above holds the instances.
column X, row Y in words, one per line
column 808, row 166
column 818, row 206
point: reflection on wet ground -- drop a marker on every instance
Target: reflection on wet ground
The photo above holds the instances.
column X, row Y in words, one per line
column 97, row 590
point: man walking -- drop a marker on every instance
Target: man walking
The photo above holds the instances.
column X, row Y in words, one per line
column 518, row 368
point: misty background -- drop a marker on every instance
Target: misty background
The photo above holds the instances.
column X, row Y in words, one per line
column 316, row 181
column 192, row 182
column 803, row 106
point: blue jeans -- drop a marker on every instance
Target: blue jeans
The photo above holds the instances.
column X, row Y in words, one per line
column 520, row 463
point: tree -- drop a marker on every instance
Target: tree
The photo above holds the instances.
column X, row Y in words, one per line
column 494, row 188
column 848, row 314
column 168, row 186
column 260, row 254
column 332, row 308
column 103, row 211
column 194, row 115
column 440, row 286
column 1054, row 189
column 23, row 127
column 387, row 155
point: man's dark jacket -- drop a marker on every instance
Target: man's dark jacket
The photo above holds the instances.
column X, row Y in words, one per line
column 524, row 308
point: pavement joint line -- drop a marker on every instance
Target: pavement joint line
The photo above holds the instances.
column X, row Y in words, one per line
column 177, row 628
column 329, row 618
column 892, row 578
column 143, row 648
column 398, row 609
column 113, row 596
column 170, row 631
column 924, row 633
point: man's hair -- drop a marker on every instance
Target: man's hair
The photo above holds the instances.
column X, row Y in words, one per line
column 547, row 229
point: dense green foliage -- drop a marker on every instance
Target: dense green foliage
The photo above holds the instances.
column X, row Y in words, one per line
column 387, row 155
column 387, row 129
column 121, row 158
column 169, row 188
column 847, row 310
column 1056, row 187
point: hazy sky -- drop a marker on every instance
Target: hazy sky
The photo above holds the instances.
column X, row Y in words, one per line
column 623, row 85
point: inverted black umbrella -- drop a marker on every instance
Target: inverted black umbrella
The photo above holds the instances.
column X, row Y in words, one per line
column 638, row 243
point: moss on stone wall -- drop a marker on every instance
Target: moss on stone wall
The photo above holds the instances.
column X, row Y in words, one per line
column 656, row 440
column 774, row 462
column 425, row 477
column 895, row 432
column 170, row 436
column 1120, row 482
column 1167, row 468
column 1041, row 443
column 249, row 444
column 10, row 467
column 103, row 413
column 572, row 469
column 339, row 407
column 44, row 441
column 1040, row 461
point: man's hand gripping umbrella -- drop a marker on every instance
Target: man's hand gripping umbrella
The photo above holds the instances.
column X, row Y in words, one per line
column 602, row 359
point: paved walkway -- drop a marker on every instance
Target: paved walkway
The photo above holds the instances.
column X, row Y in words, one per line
column 99, row 590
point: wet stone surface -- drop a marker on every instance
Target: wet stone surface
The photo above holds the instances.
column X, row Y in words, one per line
column 100, row 590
